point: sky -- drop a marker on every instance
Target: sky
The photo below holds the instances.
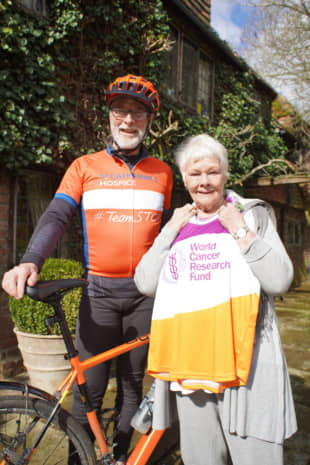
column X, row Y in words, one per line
column 229, row 18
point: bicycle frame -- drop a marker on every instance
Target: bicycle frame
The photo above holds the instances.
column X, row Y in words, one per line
column 147, row 442
column 52, row 292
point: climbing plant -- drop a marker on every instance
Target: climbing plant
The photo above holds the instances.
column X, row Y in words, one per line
column 54, row 70
column 33, row 111
column 254, row 145
column 249, row 135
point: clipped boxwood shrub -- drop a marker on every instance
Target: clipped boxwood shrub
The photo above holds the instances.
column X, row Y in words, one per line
column 29, row 315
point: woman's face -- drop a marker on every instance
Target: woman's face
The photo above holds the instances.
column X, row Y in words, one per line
column 205, row 181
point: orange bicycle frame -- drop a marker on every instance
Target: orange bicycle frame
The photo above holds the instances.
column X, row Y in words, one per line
column 148, row 441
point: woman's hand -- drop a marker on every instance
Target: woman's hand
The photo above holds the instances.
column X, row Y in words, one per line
column 181, row 216
column 231, row 218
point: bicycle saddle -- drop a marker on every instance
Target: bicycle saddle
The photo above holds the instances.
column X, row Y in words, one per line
column 44, row 289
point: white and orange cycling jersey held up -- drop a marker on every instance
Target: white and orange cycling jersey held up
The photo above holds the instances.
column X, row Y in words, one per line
column 204, row 316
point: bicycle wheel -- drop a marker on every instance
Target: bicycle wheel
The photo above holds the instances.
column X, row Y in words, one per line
column 21, row 420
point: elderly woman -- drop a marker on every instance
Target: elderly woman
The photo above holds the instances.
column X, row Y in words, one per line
column 215, row 344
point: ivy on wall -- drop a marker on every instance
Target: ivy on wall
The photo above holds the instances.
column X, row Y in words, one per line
column 249, row 135
column 54, row 70
column 251, row 139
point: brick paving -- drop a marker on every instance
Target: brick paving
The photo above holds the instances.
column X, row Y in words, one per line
column 293, row 311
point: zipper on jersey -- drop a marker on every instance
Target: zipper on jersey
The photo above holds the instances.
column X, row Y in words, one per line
column 133, row 212
column 131, row 238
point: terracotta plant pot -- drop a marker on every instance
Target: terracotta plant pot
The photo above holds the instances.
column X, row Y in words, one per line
column 43, row 358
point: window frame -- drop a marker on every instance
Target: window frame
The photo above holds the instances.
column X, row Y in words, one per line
column 295, row 233
column 23, row 224
column 37, row 7
column 200, row 54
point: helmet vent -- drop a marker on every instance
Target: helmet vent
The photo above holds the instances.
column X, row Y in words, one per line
column 136, row 87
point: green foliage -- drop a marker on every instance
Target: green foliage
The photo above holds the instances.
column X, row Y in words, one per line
column 251, row 140
column 115, row 38
column 53, row 73
column 33, row 113
column 29, row 315
column 249, row 136
column 169, row 129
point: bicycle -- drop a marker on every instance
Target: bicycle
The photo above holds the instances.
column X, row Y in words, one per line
column 33, row 424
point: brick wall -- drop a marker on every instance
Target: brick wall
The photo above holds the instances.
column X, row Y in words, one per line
column 306, row 192
column 307, row 249
column 6, row 326
column 289, row 204
column 10, row 361
column 277, row 194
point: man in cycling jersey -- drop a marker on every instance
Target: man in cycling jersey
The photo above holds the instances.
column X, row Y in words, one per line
column 124, row 196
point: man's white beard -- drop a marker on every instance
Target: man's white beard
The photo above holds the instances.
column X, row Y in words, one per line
column 125, row 142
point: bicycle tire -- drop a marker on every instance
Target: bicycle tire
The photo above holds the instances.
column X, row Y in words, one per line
column 17, row 413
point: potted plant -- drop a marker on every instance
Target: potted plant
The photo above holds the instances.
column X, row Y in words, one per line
column 42, row 347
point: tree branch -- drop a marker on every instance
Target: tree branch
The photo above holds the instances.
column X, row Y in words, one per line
column 275, row 161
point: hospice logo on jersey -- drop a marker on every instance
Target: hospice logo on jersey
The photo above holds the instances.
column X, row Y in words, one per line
column 124, row 179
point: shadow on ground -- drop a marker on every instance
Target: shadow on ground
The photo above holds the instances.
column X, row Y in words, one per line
column 297, row 448
column 293, row 311
column 294, row 320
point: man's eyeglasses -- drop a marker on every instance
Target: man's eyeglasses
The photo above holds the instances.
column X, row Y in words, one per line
column 120, row 113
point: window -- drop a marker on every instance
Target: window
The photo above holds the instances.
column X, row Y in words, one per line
column 264, row 109
column 33, row 192
column 188, row 74
column 296, row 233
column 171, row 67
column 38, row 7
column 204, row 87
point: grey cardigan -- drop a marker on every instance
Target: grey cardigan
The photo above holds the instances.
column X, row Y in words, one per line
column 263, row 408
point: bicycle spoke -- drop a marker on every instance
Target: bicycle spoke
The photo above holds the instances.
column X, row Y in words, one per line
column 21, row 423
column 21, row 431
column 52, row 452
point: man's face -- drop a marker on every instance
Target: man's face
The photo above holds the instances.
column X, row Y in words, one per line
column 128, row 122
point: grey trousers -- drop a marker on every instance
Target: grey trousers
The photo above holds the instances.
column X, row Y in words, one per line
column 204, row 442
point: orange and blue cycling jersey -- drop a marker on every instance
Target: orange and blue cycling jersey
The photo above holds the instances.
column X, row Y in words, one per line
column 121, row 209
